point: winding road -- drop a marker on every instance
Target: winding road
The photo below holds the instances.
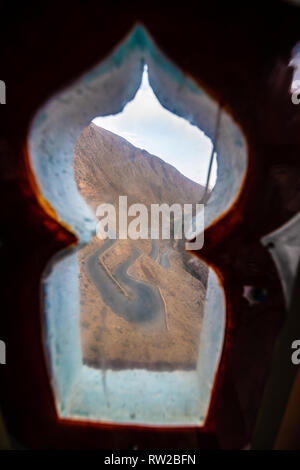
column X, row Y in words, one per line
column 142, row 305
column 164, row 259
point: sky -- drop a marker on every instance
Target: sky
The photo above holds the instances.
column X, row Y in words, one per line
column 147, row 125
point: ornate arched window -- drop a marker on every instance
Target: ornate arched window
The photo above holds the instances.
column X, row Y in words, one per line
column 177, row 395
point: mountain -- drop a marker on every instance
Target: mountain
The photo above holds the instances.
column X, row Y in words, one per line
column 108, row 166
column 141, row 301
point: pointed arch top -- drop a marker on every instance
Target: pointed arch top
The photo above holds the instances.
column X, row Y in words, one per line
column 105, row 90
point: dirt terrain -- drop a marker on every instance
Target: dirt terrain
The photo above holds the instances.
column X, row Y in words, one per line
column 114, row 277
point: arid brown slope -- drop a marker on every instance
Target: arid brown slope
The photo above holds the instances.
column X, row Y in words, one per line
column 107, row 166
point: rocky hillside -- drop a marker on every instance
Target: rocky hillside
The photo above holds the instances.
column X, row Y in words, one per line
column 107, row 166
column 157, row 276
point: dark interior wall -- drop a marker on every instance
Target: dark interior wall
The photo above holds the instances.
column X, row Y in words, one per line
column 239, row 54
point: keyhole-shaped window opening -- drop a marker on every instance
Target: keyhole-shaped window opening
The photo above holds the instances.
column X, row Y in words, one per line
column 134, row 328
